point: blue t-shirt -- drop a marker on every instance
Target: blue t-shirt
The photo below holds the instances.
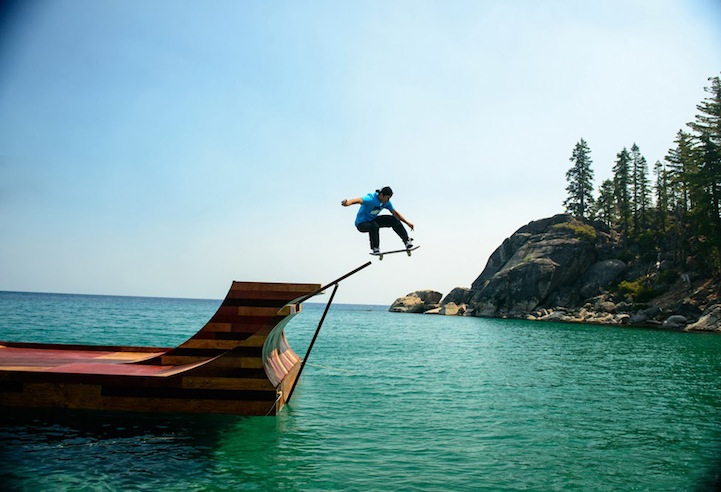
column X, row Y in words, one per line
column 371, row 207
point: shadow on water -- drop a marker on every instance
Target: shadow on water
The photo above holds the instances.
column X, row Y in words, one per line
column 711, row 481
column 68, row 449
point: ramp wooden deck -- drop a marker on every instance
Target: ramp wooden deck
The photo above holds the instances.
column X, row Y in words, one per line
column 239, row 362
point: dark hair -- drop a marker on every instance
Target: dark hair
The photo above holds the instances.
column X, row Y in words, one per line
column 386, row 190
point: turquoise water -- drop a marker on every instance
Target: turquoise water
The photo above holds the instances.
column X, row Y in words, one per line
column 388, row 402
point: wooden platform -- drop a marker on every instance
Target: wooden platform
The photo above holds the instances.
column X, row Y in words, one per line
column 238, row 363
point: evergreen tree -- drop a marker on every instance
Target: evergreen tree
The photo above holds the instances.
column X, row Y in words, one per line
column 687, row 191
column 605, row 205
column 621, row 191
column 708, row 143
column 640, row 190
column 708, row 122
column 644, row 195
column 681, row 167
column 705, row 183
column 661, row 188
column 580, row 182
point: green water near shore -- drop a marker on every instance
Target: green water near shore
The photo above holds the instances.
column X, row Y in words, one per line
column 390, row 402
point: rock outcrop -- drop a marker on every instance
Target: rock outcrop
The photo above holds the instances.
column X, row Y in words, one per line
column 419, row 301
column 558, row 261
column 709, row 321
column 448, row 309
column 568, row 270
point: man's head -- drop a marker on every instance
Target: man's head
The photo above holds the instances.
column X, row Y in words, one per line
column 385, row 194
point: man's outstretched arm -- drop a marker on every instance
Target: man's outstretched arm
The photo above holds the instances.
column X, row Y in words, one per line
column 352, row 201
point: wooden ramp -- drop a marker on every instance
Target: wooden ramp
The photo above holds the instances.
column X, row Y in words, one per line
column 238, row 363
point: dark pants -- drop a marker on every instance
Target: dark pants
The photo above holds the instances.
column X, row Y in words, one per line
column 372, row 227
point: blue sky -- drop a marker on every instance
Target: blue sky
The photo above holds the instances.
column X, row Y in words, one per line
column 167, row 147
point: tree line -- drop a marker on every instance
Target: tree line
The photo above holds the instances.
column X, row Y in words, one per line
column 674, row 212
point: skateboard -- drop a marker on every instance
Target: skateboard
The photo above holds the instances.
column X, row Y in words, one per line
column 380, row 255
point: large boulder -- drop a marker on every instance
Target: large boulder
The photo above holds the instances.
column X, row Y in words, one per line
column 457, row 296
column 675, row 321
column 428, row 296
column 450, row 309
column 600, row 276
column 416, row 302
column 549, row 262
column 709, row 321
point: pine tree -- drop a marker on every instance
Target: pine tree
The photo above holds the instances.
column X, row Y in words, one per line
column 708, row 122
column 641, row 201
column 580, row 182
column 621, row 191
column 681, row 168
column 707, row 181
column 687, row 191
column 605, row 205
column 661, row 188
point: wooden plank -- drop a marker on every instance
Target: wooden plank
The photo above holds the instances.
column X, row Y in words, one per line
column 220, row 327
column 247, row 320
column 240, row 362
column 227, row 383
column 175, row 360
column 81, row 348
column 261, row 296
column 24, row 368
column 237, row 328
column 273, row 287
column 191, row 406
column 49, row 358
column 164, row 405
column 203, row 343
column 125, row 356
column 251, row 363
column 262, row 311
column 255, row 341
column 179, row 393
column 238, row 339
column 65, row 395
column 109, row 369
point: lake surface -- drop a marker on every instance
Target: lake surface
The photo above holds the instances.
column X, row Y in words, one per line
column 388, row 401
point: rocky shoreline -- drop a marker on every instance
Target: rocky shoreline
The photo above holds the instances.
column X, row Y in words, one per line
column 563, row 270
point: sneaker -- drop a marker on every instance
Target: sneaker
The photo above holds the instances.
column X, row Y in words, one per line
column 409, row 243
column 376, row 251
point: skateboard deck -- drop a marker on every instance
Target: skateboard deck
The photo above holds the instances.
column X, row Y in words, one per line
column 382, row 253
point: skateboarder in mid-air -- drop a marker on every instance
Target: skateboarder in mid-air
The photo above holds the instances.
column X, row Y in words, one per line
column 368, row 218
